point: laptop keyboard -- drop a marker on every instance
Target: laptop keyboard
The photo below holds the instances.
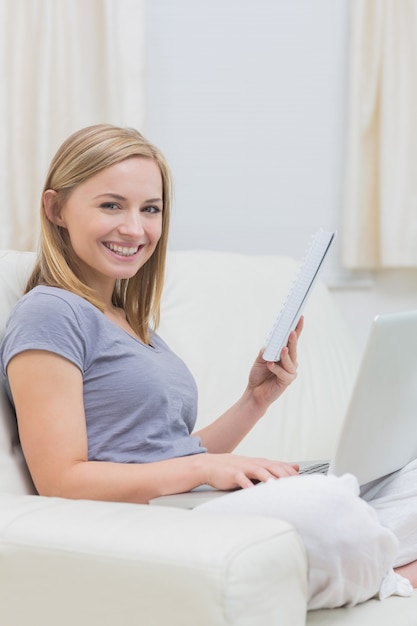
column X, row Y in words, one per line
column 315, row 468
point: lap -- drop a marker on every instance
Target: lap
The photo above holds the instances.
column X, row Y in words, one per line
column 349, row 551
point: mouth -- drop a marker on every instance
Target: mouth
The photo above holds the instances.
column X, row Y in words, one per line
column 125, row 251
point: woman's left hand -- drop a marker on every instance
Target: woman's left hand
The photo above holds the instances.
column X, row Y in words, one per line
column 268, row 380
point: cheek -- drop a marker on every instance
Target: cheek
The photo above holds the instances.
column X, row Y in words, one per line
column 157, row 231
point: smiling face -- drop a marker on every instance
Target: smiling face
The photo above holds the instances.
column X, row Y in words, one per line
column 113, row 221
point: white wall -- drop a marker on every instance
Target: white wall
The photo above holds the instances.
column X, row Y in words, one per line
column 391, row 291
column 247, row 99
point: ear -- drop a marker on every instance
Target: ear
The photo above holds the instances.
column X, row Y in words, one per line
column 51, row 207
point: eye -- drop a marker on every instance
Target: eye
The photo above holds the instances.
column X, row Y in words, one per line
column 152, row 209
column 112, row 206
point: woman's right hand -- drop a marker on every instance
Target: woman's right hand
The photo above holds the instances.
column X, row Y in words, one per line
column 231, row 471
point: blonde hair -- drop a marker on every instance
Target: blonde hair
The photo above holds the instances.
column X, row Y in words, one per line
column 83, row 154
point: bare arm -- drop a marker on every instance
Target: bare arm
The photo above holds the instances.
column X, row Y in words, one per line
column 267, row 381
column 48, row 395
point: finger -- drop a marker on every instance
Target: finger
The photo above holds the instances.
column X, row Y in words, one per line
column 263, row 474
column 285, row 469
column 300, row 326
column 293, row 339
column 251, row 477
column 276, row 470
column 292, row 347
column 287, row 363
column 244, row 481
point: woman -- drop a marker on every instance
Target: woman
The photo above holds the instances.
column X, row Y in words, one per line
column 105, row 409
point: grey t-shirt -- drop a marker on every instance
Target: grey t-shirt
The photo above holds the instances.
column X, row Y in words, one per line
column 140, row 401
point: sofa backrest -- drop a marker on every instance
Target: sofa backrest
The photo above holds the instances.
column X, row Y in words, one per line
column 217, row 309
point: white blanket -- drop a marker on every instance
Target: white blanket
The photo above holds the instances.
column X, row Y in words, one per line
column 350, row 553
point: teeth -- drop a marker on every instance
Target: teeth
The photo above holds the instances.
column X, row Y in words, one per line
column 122, row 250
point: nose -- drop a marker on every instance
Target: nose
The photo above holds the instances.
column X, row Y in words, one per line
column 132, row 223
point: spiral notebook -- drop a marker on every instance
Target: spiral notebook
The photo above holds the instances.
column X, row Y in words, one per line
column 297, row 297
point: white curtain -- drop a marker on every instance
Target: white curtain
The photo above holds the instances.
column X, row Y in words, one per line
column 64, row 64
column 380, row 213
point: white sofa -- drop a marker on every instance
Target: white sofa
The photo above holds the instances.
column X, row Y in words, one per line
column 65, row 562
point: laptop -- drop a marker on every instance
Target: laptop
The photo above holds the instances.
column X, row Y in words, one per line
column 379, row 432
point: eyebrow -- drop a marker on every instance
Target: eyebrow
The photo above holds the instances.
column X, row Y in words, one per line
column 116, row 196
column 110, row 195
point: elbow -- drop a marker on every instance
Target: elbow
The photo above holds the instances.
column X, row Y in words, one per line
column 65, row 484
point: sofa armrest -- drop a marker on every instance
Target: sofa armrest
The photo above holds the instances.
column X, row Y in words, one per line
column 73, row 561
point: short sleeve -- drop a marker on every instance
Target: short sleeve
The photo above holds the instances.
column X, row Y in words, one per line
column 43, row 321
